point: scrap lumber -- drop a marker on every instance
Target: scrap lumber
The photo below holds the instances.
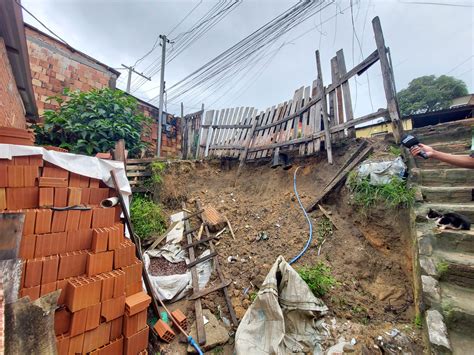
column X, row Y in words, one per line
column 201, row 333
column 204, row 258
column 328, row 215
column 340, row 177
column 230, row 227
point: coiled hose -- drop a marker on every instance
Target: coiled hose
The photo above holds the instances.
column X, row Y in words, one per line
column 307, row 218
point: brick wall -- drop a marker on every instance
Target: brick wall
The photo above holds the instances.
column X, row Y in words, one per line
column 55, row 66
column 12, row 112
column 171, row 134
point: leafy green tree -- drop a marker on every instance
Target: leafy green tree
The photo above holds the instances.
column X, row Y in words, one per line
column 430, row 93
column 92, row 122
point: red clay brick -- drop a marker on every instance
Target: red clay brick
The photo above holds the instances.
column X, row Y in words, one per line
column 62, row 321
column 29, row 224
column 137, row 342
column 180, row 318
column 59, row 221
column 24, row 197
column 115, row 238
column 15, row 176
column 36, row 160
column 62, row 344
column 50, row 244
column 133, row 288
column 113, row 308
column 133, row 272
column 46, row 197
column 52, row 182
column 115, row 347
column 135, row 323
column 61, row 285
column 76, row 180
column 85, row 196
column 33, row 272
column 60, row 197
column 55, row 172
column 94, row 183
column 137, row 303
column 83, row 292
column 76, row 344
column 97, row 195
column 116, row 328
column 124, row 255
column 78, row 322
column 72, row 264
column 74, row 196
column 108, row 283
column 99, row 240
column 72, row 221
column 21, row 160
column 103, row 217
column 85, row 221
column 43, row 221
column 27, row 246
column 32, row 292
column 30, row 175
column 3, row 199
column 98, row 263
column 79, row 239
column 119, row 282
column 47, row 288
column 50, row 269
column 93, row 316
column 164, row 331
column 3, row 176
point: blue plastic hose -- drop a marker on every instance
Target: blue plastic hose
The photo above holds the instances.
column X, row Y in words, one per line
column 193, row 343
column 307, row 218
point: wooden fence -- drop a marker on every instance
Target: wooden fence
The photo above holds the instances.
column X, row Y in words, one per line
column 300, row 125
column 191, row 128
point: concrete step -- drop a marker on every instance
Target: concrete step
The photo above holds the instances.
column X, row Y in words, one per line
column 437, row 164
column 457, row 241
column 462, row 341
column 466, row 209
column 455, row 267
column 458, row 307
column 444, row 177
column 449, row 194
column 459, row 147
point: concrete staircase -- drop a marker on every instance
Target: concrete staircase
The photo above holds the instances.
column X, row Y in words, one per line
column 445, row 258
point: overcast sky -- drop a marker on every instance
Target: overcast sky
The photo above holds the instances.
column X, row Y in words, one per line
column 424, row 39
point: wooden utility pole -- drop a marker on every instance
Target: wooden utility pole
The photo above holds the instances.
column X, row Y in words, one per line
column 388, row 81
column 324, row 108
column 164, row 40
column 129, row 80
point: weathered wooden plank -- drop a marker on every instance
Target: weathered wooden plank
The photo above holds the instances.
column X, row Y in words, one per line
column 243, row 122
column 211, row 117
column 264, row 134
column 324, row 108
column 228, row 131
column 209, row 290
column 226, row 147
column 140, row 173
column 248, row 142
column 341, row 63
column 304, row 121
column 201, row 260
column 268, row 132
column 229, row 126
column 222, row 132
column 138, row 167
column 204, row 134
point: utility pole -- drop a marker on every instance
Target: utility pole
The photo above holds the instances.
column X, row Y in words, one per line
column 164, row 40
column 129, row 80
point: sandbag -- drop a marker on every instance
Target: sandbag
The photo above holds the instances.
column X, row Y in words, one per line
column 283, row 319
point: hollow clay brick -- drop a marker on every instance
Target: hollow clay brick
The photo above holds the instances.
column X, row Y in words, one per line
column 133, row 272
column 135, row 323
column 36, row 160
column 115, row 238
column 98, row 263
column 3, row 199
column 62, row 321
column 83, row 292
column 46, row 197
column 52, row 182
column 47, row 288
column 32, row 292
column 85, row 221
column 116, row 328
column 94, row 183
column 60, row 197
column 97, row 195
column 85, row 196
column 22, row 197
column 115, row 347
column 164, row 331
column 137, row 303
column 76, row 344
column 61, row 285
column 50, row 269
column 74, row 196
column 59, row 221
column 180, row 318
column 21, row 160
column 15, row 176
column 72, row 264
column 43, row 221
column 29, row 223
column 99, row 240
column 72, row 221
column 3, row 176
column 30, row 175
column 62, row 344
column 103, row 217
column 27, row 246
column 113, row 308
column 76, row 180
column 137, row 342
column 55, row 172
column 79, row 239
column 78, row 322
column 133, row 288
column 119, row 282
column 108, row 282
column 33, row 270
column 50, row 244
column 93, row 316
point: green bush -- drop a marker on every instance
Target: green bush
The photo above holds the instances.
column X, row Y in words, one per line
column 394, row 194
column 318, row 278
column 147, row 217
column 92, row 122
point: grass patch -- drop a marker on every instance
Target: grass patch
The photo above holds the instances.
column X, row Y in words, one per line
column 442, row 268
column 253, row 296
column 147, row 217
column 318, row 278
column 324, row 229
column 157, row 170
column 394, row 194
column 395, row 150
column 418, row 321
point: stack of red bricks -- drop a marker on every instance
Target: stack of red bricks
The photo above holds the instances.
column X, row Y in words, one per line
column 84, row 253
column 11, row 135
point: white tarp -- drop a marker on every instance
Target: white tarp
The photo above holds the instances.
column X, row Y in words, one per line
column 381, row 172
column 283, row 317
column 80, row 164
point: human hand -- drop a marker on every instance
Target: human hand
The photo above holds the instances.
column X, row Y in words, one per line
column 416, row 149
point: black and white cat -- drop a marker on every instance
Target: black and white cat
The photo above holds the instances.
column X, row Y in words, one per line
column 450, row 220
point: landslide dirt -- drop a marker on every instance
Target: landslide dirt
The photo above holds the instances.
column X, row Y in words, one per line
column 370, row 257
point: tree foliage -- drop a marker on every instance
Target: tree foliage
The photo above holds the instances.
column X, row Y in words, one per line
column 430, row 93
column 92, row 122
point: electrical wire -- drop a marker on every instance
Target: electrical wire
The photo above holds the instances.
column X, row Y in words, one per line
column 310, row 238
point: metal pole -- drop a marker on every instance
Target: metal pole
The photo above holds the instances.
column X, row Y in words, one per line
column 162, row 92
column 129, row 80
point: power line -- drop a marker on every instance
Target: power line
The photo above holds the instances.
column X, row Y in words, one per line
column 434, row 3
column 457, row 66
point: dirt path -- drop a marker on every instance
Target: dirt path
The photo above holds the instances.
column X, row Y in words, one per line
column 369, row 258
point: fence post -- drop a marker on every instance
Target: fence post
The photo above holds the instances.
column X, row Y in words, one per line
column 388, row 81
column 324, row 107
column 247, row 142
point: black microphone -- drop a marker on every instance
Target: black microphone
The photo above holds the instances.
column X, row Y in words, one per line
column 410, row 141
